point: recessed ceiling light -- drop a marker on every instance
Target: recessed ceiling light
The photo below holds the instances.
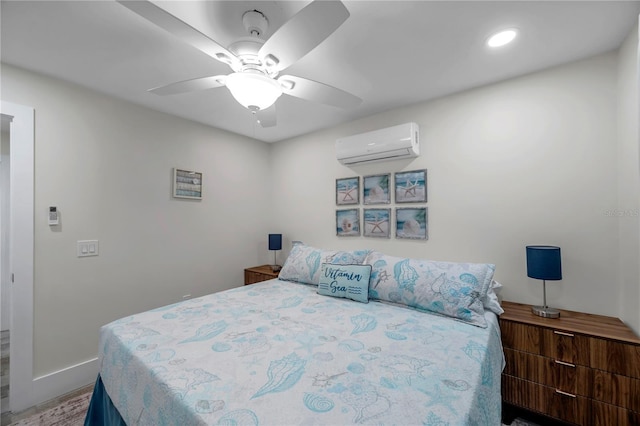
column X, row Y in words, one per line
column 501, row 38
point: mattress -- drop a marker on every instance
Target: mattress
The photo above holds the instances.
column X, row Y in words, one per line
column 278, row 353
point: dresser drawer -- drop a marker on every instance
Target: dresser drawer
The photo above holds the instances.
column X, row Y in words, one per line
column 609, row 415
column 521, row 337
column 580, row 368
column 570, row 378
column 617, row 390
column 616, row 357
column 545, row 400
column 567, row 347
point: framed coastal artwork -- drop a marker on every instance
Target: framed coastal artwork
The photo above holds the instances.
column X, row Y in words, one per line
column 187, row 184
column 348, row 223
column 377, row 223
column 348, row 191
column 376, row 189
column 411, row 187
column 412, row 223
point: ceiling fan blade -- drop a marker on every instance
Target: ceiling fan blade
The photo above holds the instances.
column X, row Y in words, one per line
column 192, row 85
column 302, row 33
column 318, row 92
column 267, row 117
column 180, row 29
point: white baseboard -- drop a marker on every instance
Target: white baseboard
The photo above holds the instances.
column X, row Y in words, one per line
column 64, row 381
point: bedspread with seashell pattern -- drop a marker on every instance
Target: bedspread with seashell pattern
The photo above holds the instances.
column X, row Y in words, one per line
column 278, row 353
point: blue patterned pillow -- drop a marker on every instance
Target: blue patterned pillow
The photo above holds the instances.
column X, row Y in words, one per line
column 453, row 289
column 347, row 281
column 304, row 262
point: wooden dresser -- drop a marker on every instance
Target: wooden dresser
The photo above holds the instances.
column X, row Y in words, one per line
column 580, row 368
column 260, row 273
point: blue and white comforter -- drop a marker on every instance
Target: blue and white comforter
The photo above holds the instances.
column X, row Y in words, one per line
column 277, row 353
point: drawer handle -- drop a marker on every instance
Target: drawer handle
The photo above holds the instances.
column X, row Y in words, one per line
column 565, row 393
column 563, row 334
column 566, row 364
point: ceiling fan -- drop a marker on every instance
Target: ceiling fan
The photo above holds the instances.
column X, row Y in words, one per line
column 256, row 62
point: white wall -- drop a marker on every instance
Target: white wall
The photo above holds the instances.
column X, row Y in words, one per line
column 527, row 161
column 107, row 166
column 628, row 207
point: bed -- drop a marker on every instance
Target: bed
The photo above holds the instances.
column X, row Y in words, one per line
column 279, row 352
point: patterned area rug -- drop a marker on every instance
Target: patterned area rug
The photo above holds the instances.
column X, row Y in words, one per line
column 68, row 413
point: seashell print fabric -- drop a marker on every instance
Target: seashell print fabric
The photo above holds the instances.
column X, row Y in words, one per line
column 278, row 353
column 304, row 262
column 457, row 290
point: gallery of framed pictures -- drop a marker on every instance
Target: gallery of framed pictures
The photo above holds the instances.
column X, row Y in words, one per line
column 410, row 223
column 408, row 187
column 377, row 222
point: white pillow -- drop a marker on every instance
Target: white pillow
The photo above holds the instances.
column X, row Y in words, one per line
column 491, row 301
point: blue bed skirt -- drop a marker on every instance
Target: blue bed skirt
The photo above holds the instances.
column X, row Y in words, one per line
column 101, row 411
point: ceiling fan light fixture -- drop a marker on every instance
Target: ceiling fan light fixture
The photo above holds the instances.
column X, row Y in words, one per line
column 502, row 38
column 253, row 91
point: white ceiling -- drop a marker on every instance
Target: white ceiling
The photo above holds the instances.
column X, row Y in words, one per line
column 389, row 53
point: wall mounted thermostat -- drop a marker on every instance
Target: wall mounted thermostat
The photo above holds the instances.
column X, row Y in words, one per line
column 53, row 216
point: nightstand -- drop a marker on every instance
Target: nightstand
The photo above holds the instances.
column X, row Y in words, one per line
column 580, row 368
column 256, row 274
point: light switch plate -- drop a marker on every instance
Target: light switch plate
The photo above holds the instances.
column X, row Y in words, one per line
column 88, row 248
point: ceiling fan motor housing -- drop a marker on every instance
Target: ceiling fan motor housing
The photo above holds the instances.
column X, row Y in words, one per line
column 255, row 22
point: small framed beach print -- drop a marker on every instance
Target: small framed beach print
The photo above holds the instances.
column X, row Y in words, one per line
column 411, row 187
column 348, row 223
column 376, row 189
column 348, row 191
column 412, row 223
column 377, row 223
column 187, row 184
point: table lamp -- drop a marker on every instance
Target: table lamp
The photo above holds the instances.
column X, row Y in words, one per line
column 543, row 263
column 275, row 243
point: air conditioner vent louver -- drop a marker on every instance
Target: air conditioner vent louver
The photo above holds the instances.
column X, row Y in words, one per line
column 391, row 143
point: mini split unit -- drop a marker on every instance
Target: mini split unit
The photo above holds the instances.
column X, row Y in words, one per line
column 392, row 143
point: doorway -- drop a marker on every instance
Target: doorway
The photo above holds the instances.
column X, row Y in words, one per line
column 20, row 268
column 5, row 276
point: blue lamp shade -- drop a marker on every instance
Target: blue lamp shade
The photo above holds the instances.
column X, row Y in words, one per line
column 275, row 241
column 543, row 262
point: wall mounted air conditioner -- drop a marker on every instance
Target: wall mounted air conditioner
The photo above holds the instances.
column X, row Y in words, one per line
column 392, row 143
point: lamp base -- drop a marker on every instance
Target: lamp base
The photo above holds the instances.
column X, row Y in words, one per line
column 545, row 311
column 276, row 268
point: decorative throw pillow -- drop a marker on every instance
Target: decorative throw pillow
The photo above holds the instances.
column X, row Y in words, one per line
column 347, row 281
column 303, row 263
column 453, row 289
